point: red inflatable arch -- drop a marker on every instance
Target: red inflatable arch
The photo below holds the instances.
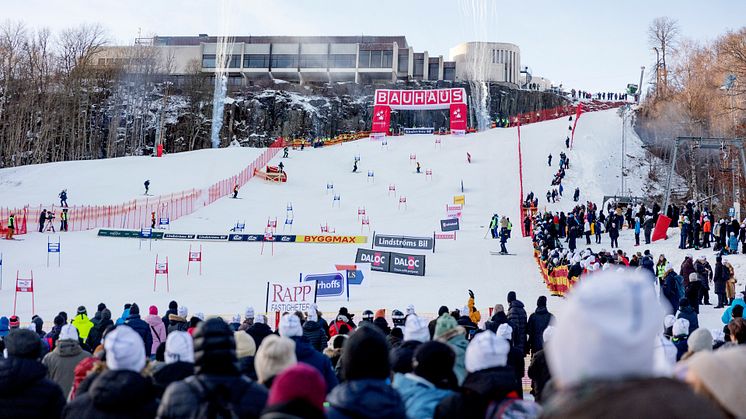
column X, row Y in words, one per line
column 386, row 100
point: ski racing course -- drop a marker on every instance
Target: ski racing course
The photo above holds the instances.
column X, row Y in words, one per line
column 235, row 274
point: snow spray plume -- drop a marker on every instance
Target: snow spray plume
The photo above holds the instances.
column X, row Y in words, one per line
column 223, row 50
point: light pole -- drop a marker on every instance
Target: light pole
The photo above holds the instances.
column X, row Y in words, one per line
column 657, row 67
column 639, row 91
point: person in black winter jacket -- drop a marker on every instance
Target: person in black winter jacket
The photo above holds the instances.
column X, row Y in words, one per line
column 179, row 359
column 499, row 317
column 217, row 388
column 537, row 323
column 25, row 390
column 141, row 327
column 259, row 330
column 290, row 328
column 517, row 316
column 538, row 370
column 173, row 307
column 693, row 291
column 38, row 325
column 687, row 312
column 313, row 331
column 365, row 392
column 401, row 356
column 100, row 324
column 120, row 391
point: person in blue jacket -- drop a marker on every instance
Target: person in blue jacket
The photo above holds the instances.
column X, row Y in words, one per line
column 431, row 381
column 733, row 243
column 687, row 312
column 739, row 301
column 125, row 314
column 637, row 231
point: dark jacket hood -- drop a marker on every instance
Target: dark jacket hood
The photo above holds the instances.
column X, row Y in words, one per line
column 366, row 399
column 120, row 390
column 16, row 374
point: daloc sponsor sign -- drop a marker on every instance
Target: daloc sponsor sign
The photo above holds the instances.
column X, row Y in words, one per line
column 449, row 224
column 403, row 242
column 401, row 263
column 379, row 261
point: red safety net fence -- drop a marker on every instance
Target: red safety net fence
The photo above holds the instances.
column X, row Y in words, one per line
column 137, row 213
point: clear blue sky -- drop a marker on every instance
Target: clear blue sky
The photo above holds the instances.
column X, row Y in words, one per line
column 587, row 44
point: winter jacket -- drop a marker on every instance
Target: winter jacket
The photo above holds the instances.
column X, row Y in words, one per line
column 733, row 243
column 83, row 324
column 479, row 389
column 96, row 333
column 402, row 355
column 123, row 318
column 474, row 314
column 538, row 372
column 177, row 323
column 165, row 317
column 689, row 314
column 26, row 392
column 671, row 289
column 365, row 399
column 517, row 316
column 458, row 343
column 727, row 316
column 315, row 335
column 259, row 331
column 420, row 396
column 692, row 294
column 114, row 394
column 682, row 345
column 143, row 329
column 191, row 397
column 537, row 323
column 308, row 355
column 719, row 277
column 687, row 268
column 170, row 373
column 62, row 361
column 157, row 331
column 647, row 264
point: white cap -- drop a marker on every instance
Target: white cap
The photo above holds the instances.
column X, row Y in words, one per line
column 415, row 328
column 125, row 349
column 486, row 350
column 669, row 320
column 179, row 347
column 182, row 311
column 681, row 327
column 505, row 331
column 410, row 310
column 249, row 313
column 313, row 313
column 200, row 315
column 236, row 318
column 290, row 326
column 68, row 332
column 609, row 315
column 261, row 318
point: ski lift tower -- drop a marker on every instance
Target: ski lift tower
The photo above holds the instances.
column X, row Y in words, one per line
column 704, row 143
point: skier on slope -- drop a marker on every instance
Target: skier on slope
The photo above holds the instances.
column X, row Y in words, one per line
column 549, row 160
column 354, row 167
column 576, row 195
column 147, row 186
column 11, row 227
column 504, row 234
column 418, row 167
column 235, row 191
column 567, row 142
column 493, row 226
column 42, row 220
column 285, row 153
column 63, row 198
column 281, row 167
column 152, row 219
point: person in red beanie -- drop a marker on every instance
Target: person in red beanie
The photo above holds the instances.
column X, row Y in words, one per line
column 157, row 329
column 299, row 391
column 15, row 322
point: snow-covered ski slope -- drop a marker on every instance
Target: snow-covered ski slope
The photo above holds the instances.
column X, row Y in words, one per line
column 114, row 181
column 234, row 276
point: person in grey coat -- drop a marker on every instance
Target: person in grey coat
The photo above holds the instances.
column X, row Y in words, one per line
column 61, row 362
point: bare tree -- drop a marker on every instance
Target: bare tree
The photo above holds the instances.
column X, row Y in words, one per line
column 77, row 45
column 663, row 34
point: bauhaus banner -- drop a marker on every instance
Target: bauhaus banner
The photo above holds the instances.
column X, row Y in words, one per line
column 420, row 99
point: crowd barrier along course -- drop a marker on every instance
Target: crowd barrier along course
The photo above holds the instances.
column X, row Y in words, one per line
column 137, row 213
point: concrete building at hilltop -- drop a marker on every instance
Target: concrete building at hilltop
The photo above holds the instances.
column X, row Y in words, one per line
column 316, row 59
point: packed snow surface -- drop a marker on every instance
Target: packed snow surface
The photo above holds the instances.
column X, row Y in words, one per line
column 116, row 271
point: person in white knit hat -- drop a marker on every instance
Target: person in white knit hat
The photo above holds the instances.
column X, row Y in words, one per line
column 602, row 353
column 415, row 328
column 179, row 361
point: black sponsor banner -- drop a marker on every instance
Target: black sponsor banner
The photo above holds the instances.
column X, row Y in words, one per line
column 379, row 261
column 178, row 236
column 401, row 263
column 212, row 237
column 282, row 238
column 449, row 224
column 104, row 232
column 285, row 238
column 398, row 263
column 403, row 242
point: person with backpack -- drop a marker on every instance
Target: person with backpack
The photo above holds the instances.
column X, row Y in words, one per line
column 217, row 389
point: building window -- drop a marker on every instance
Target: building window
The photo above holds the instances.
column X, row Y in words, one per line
column 342, row 61
column 256, row 61
column 375, row 59
column 363, row 60
column 208, row 60
column 403, row 62
column 284, row 61
column 419, row 65
column 387, row 59
column 235, row 80
column 432, row 71
column 449, row 73
column 234, row 61
column 313, row 60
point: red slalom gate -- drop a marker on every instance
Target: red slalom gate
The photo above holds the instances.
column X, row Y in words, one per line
column 24, row 285
column 195, row 257
column 161, row 268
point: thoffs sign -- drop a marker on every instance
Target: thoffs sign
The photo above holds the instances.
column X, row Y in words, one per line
column 327, row 285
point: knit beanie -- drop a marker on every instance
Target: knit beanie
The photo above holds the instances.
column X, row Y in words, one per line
column 214, row 348
column 249, row 313
column 486, row 350
column 153, row 310
column 124, row 349
column 434, row 361
column 179, row 347
column 182, row 311
column 442, row 310
column 236, row 318
column 505, row 331
column 245, row 345
column 23, row 343
column 69, row 332
column 366, row 355
column 82, row 310
column 100, row 307
column 300, row 382
column 173, row 305
column 273, row 356
column 541, row 301
column 313, row 315
column 511, row 297
column 444, row 324
column 723, row 375
column 415, row 328
column 14, row 322
column 700, row 340
column 290, row 326
column 134, row 310
column 681, row 327
column 261, row 319
column 381, row 312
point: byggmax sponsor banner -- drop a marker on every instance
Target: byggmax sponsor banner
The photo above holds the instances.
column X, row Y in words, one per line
column 401, row 263
column 379, row 261
column 398, row 263
column 420, row 99
column 449, row 224
column 331, row 239
column 403, row 242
